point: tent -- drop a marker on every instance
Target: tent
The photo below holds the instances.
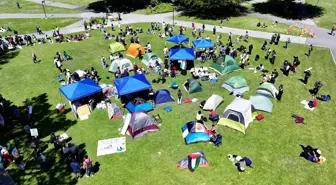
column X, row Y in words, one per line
column 193, row 161
column 213, row 102
column 150, row 59
column 236, row 84
column 116, row 47
column 203, row 43
column 163, row 96
column 267, row 89
column 237, row 115
column 178, row 39
column 192, row 86
column 224, row 65
column 181, row 54
column 133, row 50
column 122, row 63
column 80, row 89
column 195, row 131
column 261, row 103
column 139, row 124
column 131, row 84
column 143, row 107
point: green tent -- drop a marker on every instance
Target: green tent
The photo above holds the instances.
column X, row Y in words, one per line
column 267, row 89
column 116, row 47
column 192, row 86
column 236, row 84
column 150, row 59
column 224, row 65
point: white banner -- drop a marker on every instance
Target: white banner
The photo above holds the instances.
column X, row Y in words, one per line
column 111, row 146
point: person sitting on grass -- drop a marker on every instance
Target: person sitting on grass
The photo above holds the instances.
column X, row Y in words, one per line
column 66, row 56
column 312, row 154
column 199, row 116
column 324, row 97
column 213, row 116
column 313, row 103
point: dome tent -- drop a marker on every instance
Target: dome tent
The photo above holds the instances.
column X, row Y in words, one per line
column 138, row 124
column 213, row 102
column 267, row 89
column 261, row 103
column 150, row 59
column 192, row 86
column 122, row 63
column 236, row 85
column 224, row 65
column 133, row 50
column 163, row 96
column 116, row 47
column 195, row 131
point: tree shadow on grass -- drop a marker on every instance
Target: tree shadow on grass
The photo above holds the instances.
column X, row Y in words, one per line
column 289, row 9
column 215, row 14
column 4, row 59
column 124, row 6
column 47, row 120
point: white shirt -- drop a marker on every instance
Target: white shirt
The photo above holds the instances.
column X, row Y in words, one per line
column 149, row 46
column 165, row 50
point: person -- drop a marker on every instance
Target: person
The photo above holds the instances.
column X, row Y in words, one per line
column 103, row 62
column 4, row 152
column 280, row 92
column 246, row 36
column 34, row 58
column 268, row 53
column 18, row 5
column 272, row 60
column 307, row 74
column 54, row 140
column 140, row 54
column 310, row 50
column 333, row 28
column 317, row 87
column 118, row 73
column 85, row 25
column 287, row 42
column 277, row 39
column 264, row 45
column 135, row 68
column 203, row 28
column 313, row 103
column 58, row 64
column 88, row 166
column 66, row 56
column 310, row 153
column 199, row 116
column 296, row 63
column 250, row 49
column 166, row 52
column 125, row 73
column 214, row 30
column 286, row 67
column 75, row 168
column 179, row 97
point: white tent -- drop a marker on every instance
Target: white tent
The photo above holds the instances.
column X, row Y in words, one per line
column 122, row 63
column 213, row 102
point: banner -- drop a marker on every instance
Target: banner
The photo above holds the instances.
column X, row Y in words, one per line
column 111, row 146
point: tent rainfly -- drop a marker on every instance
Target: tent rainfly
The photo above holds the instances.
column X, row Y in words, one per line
column 213, row 102
column 116, row 47
column 261, row 103
column 131, row 84
column 133, row 50
column 122, row 63
column 238, row 115
column 236, row 85
column 194, row 132
column 178, row 39
column 267, row 89
column 181, row 54
column 193, row 161
column 203, row 43
column 224, row 65
column 150, row 59
column 139, row 124
column 192, row 86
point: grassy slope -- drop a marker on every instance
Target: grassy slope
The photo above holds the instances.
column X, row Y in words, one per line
column 246, row 22
column 272, row 144
column 77, row 2
column 9, row 6
column 24, row 26
column 328, row 18
column 161, row 8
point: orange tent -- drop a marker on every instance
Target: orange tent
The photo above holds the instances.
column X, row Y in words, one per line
column 132, row 50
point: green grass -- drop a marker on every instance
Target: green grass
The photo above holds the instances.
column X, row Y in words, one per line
column 244, row 22
column 9, row 6
column 272, row 143
column 77, row 2
column 24, row 26
column 161, row 8
column 329, row 14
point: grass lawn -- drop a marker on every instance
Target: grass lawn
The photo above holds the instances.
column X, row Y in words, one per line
column 9, row 6
column 244, row 22
column 328, row 17
column 161, row 8
column 24, row 26
column 77, row 2
column 272, row 143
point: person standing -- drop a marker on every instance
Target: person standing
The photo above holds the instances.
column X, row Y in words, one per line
column 310, row 50
column 333, row 28
column 272, row 60
column 246, row 36
column 307, row 74
column 34, row 58
column 277, row 39
column 58, row 64
column 179, row 97
column 103, row 62
column 203, row 28
column 140, row 54
column 75, row 168
column 88, row 166
column 250, row 49
column 214, row 30
column 221, row 23
column 18, row 5
column 85, row 25
column 287, row 42
column 280, row 92
column 264, row 45
column 273, row 38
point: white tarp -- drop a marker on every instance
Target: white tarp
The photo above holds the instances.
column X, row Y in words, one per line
column 111, row 146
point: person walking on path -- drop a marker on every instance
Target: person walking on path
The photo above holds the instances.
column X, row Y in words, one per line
column 87, row 165
column 310, row 50
column 287, row 42
column 85, row 25
column 34, row 58
column 277, row 39
column 179, row 97
column 18, row 5
column 246, row 36
column 75, row 168
column 203, row 28
column 221, row 23
column 307, row 74
column 333, row 28
column 214, row 30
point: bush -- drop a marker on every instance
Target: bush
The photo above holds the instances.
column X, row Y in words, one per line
column 160, row 8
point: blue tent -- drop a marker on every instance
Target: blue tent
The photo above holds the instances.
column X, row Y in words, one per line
column 163, row 96
column 80, row 89
column 131, row 84
column 182, row 54
column 178, row 39
column 202, row 43
column 144, row 107
column 194, row 132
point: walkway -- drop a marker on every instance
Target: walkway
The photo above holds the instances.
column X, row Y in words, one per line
column 322, row 39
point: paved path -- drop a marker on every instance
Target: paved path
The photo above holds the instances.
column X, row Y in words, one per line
column 72, row 15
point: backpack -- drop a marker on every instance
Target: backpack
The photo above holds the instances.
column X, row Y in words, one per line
column 259, row 117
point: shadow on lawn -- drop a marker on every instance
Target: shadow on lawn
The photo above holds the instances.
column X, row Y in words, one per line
column 220, row 13
column 4, row 59
column 47, row 120
column 124, row 6
column 288, row 9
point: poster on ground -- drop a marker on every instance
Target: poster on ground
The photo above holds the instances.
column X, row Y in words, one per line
column 111, row 146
